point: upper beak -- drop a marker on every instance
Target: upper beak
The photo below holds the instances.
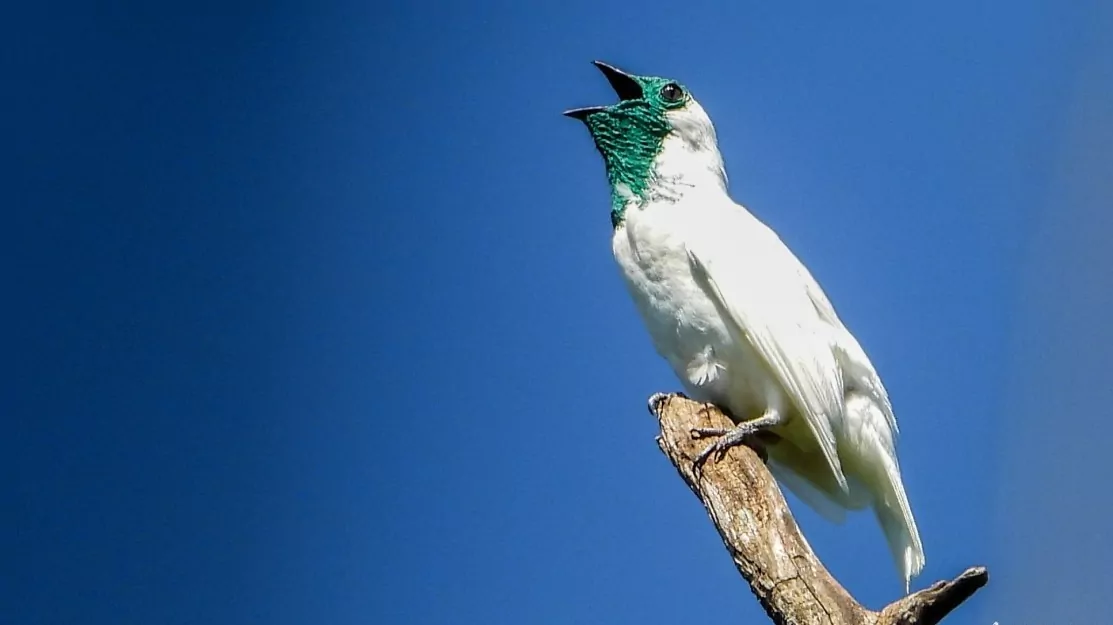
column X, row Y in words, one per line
column 623, row 84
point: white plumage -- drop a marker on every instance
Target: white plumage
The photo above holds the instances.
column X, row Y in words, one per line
column 745, row 326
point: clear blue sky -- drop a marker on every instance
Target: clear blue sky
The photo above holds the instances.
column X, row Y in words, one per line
column 316, row 320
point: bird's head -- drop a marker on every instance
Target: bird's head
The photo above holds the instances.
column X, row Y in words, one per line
column 657, row 138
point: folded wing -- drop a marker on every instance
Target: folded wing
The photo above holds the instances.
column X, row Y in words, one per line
column 763, row 301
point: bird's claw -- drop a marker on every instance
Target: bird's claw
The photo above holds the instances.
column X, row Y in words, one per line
column 698, row 433
column 655, row 401
column 728, row 439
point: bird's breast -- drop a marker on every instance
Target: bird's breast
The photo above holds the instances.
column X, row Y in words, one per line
column 681, row 318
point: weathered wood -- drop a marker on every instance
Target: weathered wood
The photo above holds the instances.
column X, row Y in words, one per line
column 759, row 532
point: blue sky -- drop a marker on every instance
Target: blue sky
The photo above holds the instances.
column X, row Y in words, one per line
column 316, row 319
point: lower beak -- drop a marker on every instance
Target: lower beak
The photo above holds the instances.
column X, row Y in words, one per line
column 582, row 113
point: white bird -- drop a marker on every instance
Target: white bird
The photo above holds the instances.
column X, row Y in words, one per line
column 743, row 323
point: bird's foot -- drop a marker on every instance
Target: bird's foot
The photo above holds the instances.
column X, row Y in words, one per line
column 655, row 402
column 727, row 439
column 740, row 434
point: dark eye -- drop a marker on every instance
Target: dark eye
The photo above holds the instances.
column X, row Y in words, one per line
column 672, row 92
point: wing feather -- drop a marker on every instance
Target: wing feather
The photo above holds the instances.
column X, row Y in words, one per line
column 856, row 366
column 770, row 309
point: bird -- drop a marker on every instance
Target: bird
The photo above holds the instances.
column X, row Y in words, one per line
column 739, row 318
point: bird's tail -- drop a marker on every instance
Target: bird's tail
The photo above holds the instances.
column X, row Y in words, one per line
column 900, row 531
column 890, row 503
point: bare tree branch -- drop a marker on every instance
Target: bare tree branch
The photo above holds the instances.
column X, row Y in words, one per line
column 765, row 543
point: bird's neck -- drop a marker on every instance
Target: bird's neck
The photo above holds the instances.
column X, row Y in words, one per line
column 679, row 169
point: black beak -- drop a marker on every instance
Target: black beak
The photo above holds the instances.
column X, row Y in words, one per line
column 582, row 113
column 623, row 84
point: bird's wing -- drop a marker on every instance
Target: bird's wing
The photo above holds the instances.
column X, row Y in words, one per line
column 762, row 300
column 856, row 366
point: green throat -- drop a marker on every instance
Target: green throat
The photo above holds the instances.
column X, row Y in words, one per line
column 629, row 135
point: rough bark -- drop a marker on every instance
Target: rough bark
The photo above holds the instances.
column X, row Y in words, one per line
column 764, row 541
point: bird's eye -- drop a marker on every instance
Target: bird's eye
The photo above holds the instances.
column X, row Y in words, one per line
column 672, row 93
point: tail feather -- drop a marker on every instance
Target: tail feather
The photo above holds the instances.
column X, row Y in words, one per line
column 877, row 461
column 903, row 537
column 873, row 476
column 895, row 516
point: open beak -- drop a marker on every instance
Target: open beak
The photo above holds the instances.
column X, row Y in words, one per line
column 623, row 84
